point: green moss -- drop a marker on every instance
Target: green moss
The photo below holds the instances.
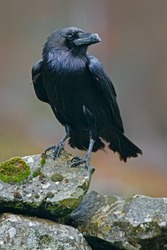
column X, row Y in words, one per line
column 63, row 207
column 71, row 203
column 43, row 160
column 14, row 171
column 56, row 177
column 45, row 239
column 31, row 205
column 37, row 172
column 17, row 206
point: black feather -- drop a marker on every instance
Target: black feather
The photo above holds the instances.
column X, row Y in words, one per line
column 80, row 93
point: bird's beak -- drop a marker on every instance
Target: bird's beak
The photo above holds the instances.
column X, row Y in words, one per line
column 86, row 39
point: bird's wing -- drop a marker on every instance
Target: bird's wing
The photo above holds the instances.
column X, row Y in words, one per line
column 106, row 88
column 37, row 82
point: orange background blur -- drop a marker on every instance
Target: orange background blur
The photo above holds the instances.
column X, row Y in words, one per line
column 134, row 53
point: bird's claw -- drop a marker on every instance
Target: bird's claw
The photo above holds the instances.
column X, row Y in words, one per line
column 56, row 150
column 49, row 148
column 76, row 161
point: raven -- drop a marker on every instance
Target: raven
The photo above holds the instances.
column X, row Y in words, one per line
column 81, row 95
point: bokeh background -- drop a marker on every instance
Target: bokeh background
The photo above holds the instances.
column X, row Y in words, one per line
column 134, row 53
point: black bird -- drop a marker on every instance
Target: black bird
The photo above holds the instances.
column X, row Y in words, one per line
column 81, row 95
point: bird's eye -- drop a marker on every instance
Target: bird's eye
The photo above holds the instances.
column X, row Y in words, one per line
column 70, row 36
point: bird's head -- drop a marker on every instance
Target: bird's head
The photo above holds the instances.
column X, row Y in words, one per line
column 71, row 39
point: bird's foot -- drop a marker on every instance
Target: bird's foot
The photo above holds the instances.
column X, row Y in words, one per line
column 56, row 149
column 76, row 161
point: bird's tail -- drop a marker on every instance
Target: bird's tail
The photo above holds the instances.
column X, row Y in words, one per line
column 121, row 144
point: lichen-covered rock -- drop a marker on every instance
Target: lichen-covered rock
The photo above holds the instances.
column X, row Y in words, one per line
column 134, row 223
column 27, row 233
column 49, row 189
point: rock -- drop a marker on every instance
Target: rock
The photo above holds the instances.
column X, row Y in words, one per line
column 39, row 186
column 137, row 222
column 21, row 232
column 43, row 187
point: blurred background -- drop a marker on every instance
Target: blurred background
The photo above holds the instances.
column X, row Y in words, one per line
column 134, row 53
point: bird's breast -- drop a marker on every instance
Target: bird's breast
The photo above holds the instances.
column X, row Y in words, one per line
column 71, row 88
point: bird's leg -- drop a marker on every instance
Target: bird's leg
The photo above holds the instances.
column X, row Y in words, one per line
column 60, row 146
column 77, row 160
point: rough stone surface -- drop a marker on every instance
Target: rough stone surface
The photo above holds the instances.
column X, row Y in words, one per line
column 42, row 187
column 133, row 223
column 26, row 233
column 53, row 189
